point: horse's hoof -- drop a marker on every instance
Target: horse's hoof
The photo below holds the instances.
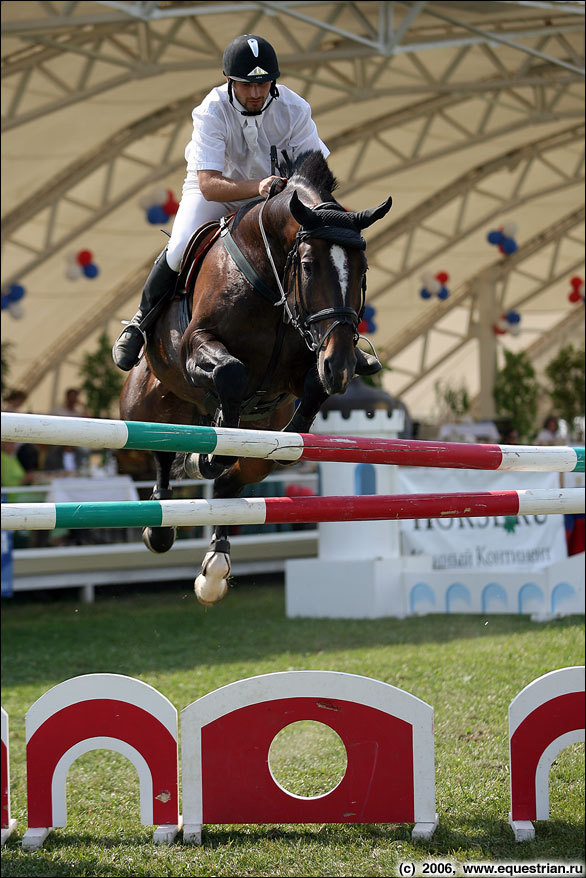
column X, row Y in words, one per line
column 191, row 467
column 159, row 539
column 211, row 467
column 211, row 584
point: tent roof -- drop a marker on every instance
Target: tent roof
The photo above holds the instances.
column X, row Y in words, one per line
column 471, row 114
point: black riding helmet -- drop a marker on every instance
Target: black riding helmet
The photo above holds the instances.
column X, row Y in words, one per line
column 250, row 58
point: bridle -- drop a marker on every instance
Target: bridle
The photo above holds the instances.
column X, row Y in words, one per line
column 335, row 226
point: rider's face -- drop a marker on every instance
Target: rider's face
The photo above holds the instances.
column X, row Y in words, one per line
column 251, row 95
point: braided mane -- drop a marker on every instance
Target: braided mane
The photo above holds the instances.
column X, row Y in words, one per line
column 313, row 168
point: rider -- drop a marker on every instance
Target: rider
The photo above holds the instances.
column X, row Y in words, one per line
column 229, row 164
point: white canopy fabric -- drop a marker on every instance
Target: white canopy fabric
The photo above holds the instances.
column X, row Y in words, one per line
column 470, row 114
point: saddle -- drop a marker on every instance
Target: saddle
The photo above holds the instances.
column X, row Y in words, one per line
column 197, row 247
column 200, row 242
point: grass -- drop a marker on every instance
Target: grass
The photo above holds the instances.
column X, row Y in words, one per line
column 468, row 667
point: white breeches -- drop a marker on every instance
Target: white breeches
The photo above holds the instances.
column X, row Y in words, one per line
column 193, row 211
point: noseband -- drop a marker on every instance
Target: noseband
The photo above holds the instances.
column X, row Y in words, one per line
column 336, row 226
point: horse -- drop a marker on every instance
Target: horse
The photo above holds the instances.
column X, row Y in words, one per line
column 275, row 304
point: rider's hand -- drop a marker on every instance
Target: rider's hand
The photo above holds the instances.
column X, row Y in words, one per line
column 265, row 185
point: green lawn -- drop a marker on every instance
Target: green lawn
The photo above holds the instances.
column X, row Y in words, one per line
column 467, row 667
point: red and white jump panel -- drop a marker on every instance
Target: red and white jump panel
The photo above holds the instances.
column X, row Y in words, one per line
column 8, row 824
column 544, row 718
column 95, row 712
column 387, row 732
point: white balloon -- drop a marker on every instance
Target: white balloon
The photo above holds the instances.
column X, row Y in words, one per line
column 158, row 195
column 16, row 310
column 74, row 271
column 514, row 328
column 510, row 229
column 427, row 277
column 145, row 201
column 433, row 286
column 503, row 324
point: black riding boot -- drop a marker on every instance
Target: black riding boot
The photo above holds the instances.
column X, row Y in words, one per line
column 159, row 284
column 366, row 364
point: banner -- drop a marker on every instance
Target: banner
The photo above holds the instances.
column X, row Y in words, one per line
column 495, row 543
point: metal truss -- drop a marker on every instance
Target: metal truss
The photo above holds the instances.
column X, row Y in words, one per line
column 564, row 261
column 493, row 203
column 52, row 203
column 126, row 41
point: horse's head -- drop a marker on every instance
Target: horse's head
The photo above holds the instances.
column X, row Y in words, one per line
column 327, row 284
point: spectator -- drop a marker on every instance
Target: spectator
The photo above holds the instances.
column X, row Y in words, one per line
column 26, row 453
column 549, row 433
column 510, row 437
column 71, row 406
column 13, row 473
column 66, row 458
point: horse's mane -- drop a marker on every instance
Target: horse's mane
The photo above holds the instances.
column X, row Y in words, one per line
column 313, row 168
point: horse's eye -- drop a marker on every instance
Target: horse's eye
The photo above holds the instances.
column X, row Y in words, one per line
column 307, row 268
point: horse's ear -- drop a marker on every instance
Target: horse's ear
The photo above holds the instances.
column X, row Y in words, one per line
column 365, row 218
column 303, row 214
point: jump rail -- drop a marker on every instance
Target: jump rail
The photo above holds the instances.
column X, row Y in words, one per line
column 54, row 430
column 287, row 510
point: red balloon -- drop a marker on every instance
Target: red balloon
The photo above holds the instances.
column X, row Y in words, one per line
column 501, row 249
column 84, row 257
column 171, row 206
column 574, row 296
column 576, row 281
column 442, row 276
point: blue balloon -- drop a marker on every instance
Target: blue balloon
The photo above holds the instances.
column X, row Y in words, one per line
column 15, row 293
column 425, row 294
column 509, row 245
column 513, row 317
column 368, row 312
column 156, row 214
column 5, row 302
column 495, row 237
column 91, row 270
column 443, row 293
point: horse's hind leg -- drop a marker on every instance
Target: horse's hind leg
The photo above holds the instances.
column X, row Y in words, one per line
column 160, row 539
column 211, row 584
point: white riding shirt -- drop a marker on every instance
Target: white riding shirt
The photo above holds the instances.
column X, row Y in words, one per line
column 240, row 148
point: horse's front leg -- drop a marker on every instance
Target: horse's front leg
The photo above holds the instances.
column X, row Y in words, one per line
column 160, row 539
column 313, row 398
column 209, row 365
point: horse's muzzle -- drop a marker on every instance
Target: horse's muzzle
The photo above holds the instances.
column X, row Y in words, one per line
column 336, row 362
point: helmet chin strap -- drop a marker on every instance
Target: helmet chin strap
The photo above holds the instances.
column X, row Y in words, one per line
column 274, row 93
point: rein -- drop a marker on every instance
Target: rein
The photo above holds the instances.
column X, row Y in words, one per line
column 299, row 317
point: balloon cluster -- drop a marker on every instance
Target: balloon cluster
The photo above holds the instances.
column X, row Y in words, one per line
column 577, row 292
column 81, row 264
column 367, row 323
column 159, row 205
column 509, row 322
column 504, row 238
column 12, row 300
column 434, row 285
